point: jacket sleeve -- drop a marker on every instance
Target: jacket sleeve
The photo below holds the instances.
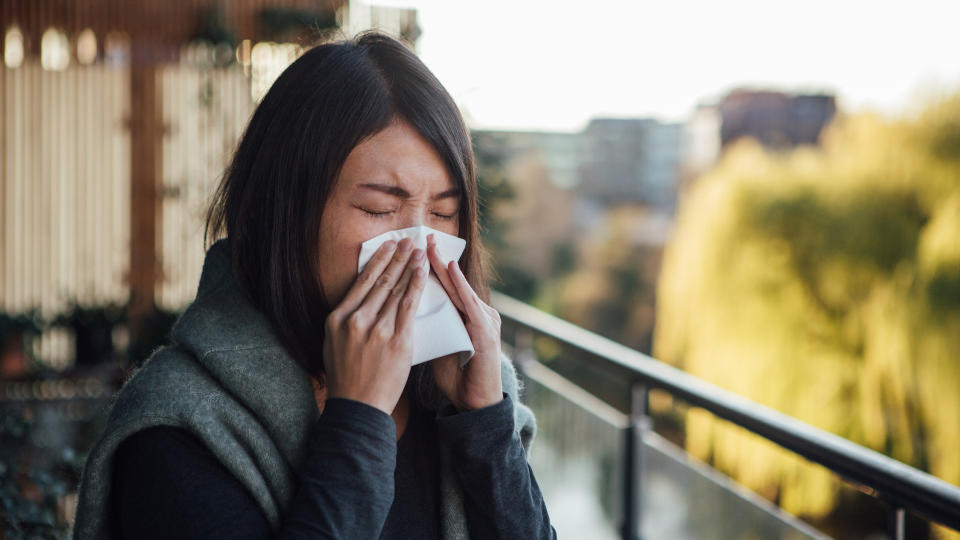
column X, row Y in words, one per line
column 502, row 498
column 169, row 485
column 347, row 481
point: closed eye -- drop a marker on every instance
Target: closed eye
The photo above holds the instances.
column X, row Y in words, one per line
column 377, row 214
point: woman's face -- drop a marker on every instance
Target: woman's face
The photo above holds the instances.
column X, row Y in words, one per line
column 392, row 180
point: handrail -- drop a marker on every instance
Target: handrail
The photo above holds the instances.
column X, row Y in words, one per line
column 897, row 483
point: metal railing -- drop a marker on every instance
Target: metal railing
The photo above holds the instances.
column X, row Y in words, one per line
column 902, row 487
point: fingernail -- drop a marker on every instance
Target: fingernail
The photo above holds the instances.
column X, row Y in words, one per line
column 406, row 244
column 418, row 254
column 389, row 244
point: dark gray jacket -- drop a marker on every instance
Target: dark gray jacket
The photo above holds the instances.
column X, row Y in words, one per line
column 227, row 380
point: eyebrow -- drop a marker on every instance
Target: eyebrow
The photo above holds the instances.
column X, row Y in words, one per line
column 398, row 191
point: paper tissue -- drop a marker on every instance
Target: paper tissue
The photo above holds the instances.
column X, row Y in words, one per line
column 438, row 329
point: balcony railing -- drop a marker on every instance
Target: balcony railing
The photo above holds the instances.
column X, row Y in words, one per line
column 903, row 488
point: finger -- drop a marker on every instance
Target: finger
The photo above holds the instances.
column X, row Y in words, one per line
column 373, row 302
column 440, row 269
column 388, row 314
column 361, row 286
column 470, row 299
column 407, row 310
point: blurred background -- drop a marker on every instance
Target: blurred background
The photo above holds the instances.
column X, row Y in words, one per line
column 765, row 195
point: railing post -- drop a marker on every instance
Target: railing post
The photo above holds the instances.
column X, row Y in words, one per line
column 634, row 462
column 898, row 524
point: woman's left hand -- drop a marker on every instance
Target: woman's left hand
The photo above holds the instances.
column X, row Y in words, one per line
column 478, row 384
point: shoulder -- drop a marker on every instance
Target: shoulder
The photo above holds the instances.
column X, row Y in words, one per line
column 169, row 383
column 170, row 364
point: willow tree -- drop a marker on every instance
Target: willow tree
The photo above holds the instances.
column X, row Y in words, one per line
column 824, row 282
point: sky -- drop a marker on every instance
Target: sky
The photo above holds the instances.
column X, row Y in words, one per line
column 554, row 64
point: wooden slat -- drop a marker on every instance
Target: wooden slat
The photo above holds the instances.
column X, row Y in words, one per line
column 73, row 200
column 64, row 165
column 196, row 150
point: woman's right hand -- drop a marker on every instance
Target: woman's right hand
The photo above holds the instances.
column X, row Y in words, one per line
column 368, row 345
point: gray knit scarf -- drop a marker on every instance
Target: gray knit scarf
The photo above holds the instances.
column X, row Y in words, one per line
column 228, row 380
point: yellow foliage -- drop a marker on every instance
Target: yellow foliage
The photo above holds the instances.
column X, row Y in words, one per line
column 825, row 283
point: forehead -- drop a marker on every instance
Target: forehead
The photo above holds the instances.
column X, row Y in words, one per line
column 397, row 155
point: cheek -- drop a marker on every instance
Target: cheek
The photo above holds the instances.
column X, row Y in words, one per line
column 338, row 252
column 453, row 228
column 340, row 238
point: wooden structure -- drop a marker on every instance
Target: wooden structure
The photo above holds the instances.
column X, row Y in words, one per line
column 152, row 34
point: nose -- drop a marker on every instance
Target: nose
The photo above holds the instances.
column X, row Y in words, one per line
column 414, row 217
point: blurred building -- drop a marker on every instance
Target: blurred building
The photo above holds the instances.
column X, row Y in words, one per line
column 612, row 161
column 541, row 170
column 778, row 120
column 631, row 160
column 561, row 153
column 567, row 185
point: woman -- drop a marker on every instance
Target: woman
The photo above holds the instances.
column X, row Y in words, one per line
column 286, row 405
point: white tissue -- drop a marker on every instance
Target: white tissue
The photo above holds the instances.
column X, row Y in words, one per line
column 438, row 329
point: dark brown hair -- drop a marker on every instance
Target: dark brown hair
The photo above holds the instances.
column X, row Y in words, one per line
column 273, row 193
